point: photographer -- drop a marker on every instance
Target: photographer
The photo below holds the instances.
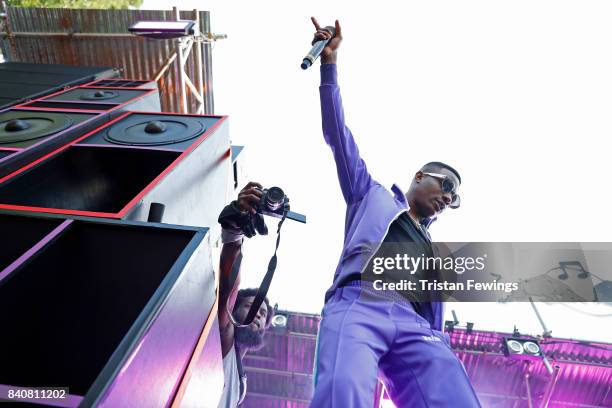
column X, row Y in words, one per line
column 236, row 340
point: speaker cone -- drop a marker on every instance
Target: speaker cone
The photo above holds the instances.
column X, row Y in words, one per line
column 154, row 131
column 23, row 126
column 98, row 95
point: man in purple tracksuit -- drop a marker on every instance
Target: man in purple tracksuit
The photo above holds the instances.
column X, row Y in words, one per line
column 366, row 334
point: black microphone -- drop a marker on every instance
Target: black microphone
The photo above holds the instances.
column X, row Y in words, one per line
column 316, row 49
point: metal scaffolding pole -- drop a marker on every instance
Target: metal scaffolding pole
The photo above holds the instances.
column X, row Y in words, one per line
column 528, row 388
column 181, row 66
column 198, row 60
column 550, row 388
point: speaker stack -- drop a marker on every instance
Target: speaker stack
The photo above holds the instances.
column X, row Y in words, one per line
column 124, row 83
column 121, row 311
column 110, row 310
column 120, row 169
column 35, row 128
column 26, row 135
column 101, row 99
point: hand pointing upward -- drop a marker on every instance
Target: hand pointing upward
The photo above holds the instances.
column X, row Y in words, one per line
column 330, row 52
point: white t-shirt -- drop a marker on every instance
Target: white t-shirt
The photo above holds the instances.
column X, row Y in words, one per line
column 231, row 389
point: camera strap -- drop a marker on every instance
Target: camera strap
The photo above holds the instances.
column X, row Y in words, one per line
column 262, row 291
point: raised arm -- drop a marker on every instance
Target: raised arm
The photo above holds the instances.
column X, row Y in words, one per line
column 353, row 174
column 231, row 218
column 227, row 289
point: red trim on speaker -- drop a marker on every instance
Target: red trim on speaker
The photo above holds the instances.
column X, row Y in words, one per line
column 172, row 165
column 53, row 94
column 118, row 146
column 54, row 152
column 70, row 88
column 146, row 91
column 43, row 140
column 35, row 108
column 122, row 79
column 127, row 88
column 28, row 109
column 96, row 80
column 139, row 196
column 59, row 211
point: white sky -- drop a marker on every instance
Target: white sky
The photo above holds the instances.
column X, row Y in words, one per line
column 516, row 95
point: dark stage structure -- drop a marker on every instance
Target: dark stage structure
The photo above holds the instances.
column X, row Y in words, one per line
column 23, row 81
column 120, row 169
column 108, row 213
column 35, row 128
column 98, row 307
column 108, row 272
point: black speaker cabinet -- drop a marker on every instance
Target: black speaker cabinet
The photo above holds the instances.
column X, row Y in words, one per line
column 124, row 83
column 92, row 99
column 28, row 134
column 111, row 310
column 120, row 169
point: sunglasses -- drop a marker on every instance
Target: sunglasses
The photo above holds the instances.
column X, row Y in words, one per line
column 448, row 187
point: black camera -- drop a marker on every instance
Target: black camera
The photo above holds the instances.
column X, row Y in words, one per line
column 274, row 203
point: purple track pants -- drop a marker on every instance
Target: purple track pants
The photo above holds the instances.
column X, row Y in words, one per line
column 362, row 338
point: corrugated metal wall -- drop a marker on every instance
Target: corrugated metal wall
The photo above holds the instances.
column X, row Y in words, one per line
column 101, row 38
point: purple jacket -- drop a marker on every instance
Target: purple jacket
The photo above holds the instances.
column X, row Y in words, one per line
column 371, row 208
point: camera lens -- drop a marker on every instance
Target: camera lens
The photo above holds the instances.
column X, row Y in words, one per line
column 275, row 198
